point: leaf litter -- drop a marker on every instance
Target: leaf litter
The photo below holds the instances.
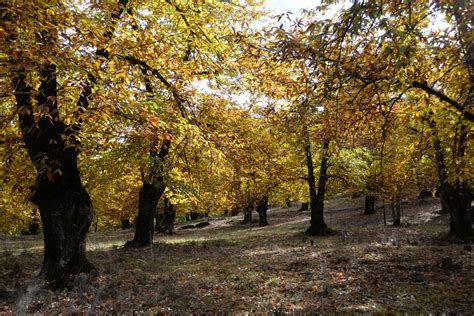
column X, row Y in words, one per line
column 228, row 267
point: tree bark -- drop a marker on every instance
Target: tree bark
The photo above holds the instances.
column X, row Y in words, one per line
column 151, row 190
column 460, row 198
column 169, row 218
column 396, row 213
column 150, row 193
column 458, row 201
column 317, row 223
column 455, row 197
column 34, row 225
column 125, row 223
column 262, row 207
column 369, row 205
column 65, row 206
column 304, row 206
column 248, row 214
column 159, row 221
column 165, row 221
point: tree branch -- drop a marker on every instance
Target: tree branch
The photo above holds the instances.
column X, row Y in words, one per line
column 147, row 68
column 83, row 101
column 424, row 86
column 338, row 177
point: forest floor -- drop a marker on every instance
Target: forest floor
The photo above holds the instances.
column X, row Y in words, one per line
column 363, row 267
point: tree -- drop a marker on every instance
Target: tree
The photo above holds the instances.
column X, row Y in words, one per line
column 309, row 98
column 194, row 52
column 51, row 141
column 410, row 58
column 262, row 207
column 150, row 193
column 164, row 221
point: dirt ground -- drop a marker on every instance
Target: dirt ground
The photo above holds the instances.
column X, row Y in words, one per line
column 364, row 266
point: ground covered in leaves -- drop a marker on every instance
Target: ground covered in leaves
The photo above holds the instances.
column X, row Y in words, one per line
column 228, row 267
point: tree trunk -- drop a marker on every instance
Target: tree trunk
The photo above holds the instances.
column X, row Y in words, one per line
column 248, row 214
column 159, row 221
column 425, row 194
column 148, row 198
column 126, row 223
column 443, row 187
column 169, row 218
column 455, row 197
column 369, row 205
column 151, row 190
column 396, row 213
column 65, row 206
column 317, row 224
column 96, row 224
column 34, row 225
column 458, row 200
column 262, row 207
column 193, row 216
column 304, row 206
column 455, row 200
column 165, row 220
column 444, row 206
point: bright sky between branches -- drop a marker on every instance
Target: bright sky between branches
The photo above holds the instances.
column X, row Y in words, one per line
column 280, row 6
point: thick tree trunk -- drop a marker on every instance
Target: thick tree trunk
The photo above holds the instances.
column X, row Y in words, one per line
column 248, row 214
column 125, row 223
column 458, row 200
column 455, row 197
column 159, row 221
column 165, row 221
column 444, row 205
column 34, row 225
column 148, row 198
column 66, row 213
column 169, row 218
column 193, row 216
column 65, row 206
column 317, row 224
column 151, row 190
column 304, row 206
column 461, row 195
column 262, row 207
column 369, row 205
